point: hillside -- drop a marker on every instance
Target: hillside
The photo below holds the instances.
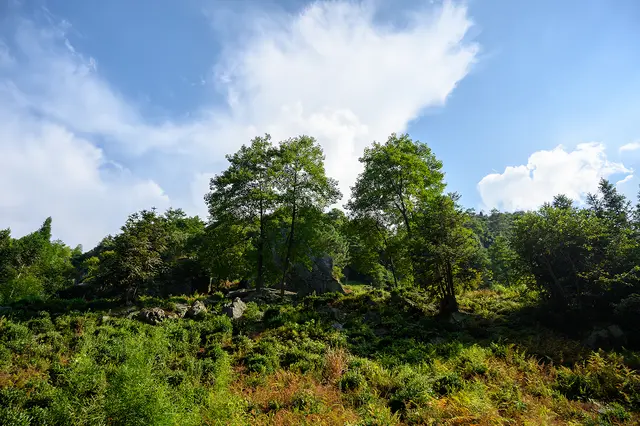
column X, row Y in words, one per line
column 457, row 317
column 366, row 358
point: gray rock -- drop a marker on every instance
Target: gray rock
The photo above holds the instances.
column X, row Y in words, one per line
column 152, row 316
column 606, row 338
column 181, row 309
column 334, row 313
column 196, row 309
column 371, row 317
column 235, row 309
column 241, row 293
column 265, row 295
column 4, row 310
column 317, row 280
column 337, row 326
column 615, row 332
column 458, row 317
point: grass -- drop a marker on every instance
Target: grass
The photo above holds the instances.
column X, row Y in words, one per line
column 391, row 361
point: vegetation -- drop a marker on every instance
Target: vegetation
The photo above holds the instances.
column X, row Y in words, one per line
column 448, row 316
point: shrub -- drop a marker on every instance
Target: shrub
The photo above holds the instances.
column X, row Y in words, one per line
column 603, row 378
column 448, row 384
column 351, row 380
column 411, row 388
column 259, row 363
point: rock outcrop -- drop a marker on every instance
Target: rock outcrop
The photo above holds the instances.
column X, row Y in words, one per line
column 606, row 338
column 152, row 316
column 196, row 310
column 317, row 280
column 235, row 309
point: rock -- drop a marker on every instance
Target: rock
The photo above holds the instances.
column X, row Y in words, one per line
column 334, row 313
column 242, row 293
column 606, row 338
column 181, row 309
column 265, row 295
column 235, row 309
column 318, row 280
column 371, row 317
column 196, row 309
column 152, row 316
column 615, row 331
column 337, row 326
column 4, row 310
column 437, row 340
column 458, row 317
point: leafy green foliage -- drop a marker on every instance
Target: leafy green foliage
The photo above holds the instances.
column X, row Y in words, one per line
column 73, row 354
column 34, row 266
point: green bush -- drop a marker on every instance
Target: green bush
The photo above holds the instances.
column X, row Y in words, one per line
column 410, row 388
column 604, row 378
column 351, row 381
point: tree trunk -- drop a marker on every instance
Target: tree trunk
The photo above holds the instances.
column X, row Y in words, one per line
column 287, row 258
column 393, row 272
column 294, row 205
column 449, row 304
column 260, row 278
column 560, row 299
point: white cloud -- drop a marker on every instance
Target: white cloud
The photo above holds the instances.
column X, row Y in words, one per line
column 331, row 71
column 631, row 146
column 624, row 180
column 49, row 171
column 549, row 173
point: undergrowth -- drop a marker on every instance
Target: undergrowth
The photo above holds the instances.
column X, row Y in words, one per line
column 365, row 358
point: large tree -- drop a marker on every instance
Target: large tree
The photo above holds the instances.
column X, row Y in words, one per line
column 399, row 178
column 244, row 195
column 303, row 187
column 449, row 255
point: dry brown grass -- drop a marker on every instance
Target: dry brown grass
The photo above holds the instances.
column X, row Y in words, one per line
column 19, row 377
column 279, row 401
column 335, row 364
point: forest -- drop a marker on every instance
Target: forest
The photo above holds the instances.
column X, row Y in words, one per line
column 399, row 306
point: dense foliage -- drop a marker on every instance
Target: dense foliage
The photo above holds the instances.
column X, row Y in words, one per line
column 450, row 315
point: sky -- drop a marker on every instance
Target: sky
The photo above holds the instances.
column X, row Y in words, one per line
column 110, row 107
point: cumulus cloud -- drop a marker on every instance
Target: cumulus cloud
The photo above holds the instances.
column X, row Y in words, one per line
column 333, row 71
column 631, row 146
column 624, row 180
column 47, row 170
column 549, row 173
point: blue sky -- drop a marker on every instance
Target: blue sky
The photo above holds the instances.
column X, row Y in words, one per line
column 111, row 107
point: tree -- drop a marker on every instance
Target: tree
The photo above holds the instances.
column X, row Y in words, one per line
column 448, row 252
column 223, row 252
column 303, row 188
column 377, row 251
column 555, row 242
column 398, row 180
column 33, row 265
column 244, row 195
column 398, row 176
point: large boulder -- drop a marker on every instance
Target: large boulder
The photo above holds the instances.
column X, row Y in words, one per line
column 317, row 280
column 152, row 316
column 181, row 309
column 264, row 295
column 196, row 310
column 235, row 309
column 606, row 338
